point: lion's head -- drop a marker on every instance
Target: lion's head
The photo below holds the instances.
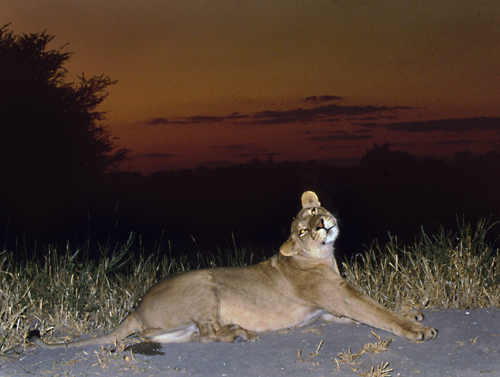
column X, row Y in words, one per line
column 313, row 230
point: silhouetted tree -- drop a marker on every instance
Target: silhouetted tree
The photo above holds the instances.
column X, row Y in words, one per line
column 53, row 146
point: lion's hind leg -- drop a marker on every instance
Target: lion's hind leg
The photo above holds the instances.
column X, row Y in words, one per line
column 212, row 332
column 182, row 334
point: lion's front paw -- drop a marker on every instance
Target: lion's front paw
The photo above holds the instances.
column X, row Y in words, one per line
column 428, row 333
column 414, row 315
column 420, row 333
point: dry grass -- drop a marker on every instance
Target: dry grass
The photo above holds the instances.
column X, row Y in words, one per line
column 446, row 270
column 66, row 292
column 352, row 359
column 380, row 371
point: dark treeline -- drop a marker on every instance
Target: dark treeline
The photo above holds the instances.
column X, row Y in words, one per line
column 387, row 192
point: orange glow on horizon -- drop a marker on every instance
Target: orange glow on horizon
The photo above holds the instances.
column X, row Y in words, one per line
column 180, row 60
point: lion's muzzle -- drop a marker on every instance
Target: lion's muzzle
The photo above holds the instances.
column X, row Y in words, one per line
column 320, row 227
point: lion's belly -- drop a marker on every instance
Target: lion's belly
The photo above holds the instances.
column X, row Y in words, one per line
column 270, row 321
column 265, row 314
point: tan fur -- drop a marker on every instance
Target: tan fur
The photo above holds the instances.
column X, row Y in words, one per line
column 299, row 284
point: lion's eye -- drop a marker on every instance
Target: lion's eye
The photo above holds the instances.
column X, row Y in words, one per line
column 313, row 212
column 302, row 232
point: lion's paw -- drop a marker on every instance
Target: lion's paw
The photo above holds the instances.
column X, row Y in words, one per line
column 246, row 336
column 414, row 315
column 233, row 333
column 420, row 333
column 428, row 333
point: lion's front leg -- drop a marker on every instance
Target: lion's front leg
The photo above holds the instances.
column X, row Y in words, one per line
column 364, row 309
column 341, row 299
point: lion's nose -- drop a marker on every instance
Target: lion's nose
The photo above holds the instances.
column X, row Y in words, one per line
column 320, row 225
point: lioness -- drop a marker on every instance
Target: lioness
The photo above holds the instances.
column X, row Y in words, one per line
column 299, row 284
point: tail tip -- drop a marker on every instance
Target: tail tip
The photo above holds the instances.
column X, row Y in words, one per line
column 34, row 335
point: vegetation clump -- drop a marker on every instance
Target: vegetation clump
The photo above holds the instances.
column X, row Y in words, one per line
column 448, row 270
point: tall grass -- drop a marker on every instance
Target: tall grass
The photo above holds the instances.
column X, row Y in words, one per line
column 447, row 270
column 65, row 292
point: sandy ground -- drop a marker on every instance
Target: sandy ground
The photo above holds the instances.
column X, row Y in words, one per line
column 468, row 344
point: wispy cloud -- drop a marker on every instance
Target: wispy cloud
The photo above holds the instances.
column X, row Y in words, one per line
column 318, row 113
column 411, row 144
column 326, row 98
column 204, row 119
column 454, row 142
column 446, row 125
column 156, row 155
column 321, row 132
column 260, row 154
column 233, row 147
column 346, row 147
column 237, row 115
column 323, row 113
column 160, row 121
column 339, row 137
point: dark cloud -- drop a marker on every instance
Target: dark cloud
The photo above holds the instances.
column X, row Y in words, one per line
column 317, row 113
column 233, row 147
column 370, row 118
column 189, row 120
column 237, row 115
column 339, row 137
column 322, row 98
column 156, row 121
column 402, row 144
column 261, row 155
column 454, row 142
column 317, row 132
column 325, row 113
column 204, row 119
column 157, row 155
column 351, row 146
column 446, row 125
column 363, row 131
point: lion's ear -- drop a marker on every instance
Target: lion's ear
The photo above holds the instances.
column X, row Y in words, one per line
column 310, row 199
column 288, row 248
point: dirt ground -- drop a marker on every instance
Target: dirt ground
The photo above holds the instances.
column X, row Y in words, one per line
column 468, row 344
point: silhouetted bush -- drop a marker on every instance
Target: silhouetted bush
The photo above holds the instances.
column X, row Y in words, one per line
column 53, row 148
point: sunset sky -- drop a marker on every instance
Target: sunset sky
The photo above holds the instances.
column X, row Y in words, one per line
column 217, row 82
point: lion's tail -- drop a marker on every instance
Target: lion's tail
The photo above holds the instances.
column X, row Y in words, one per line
column 128, row 326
